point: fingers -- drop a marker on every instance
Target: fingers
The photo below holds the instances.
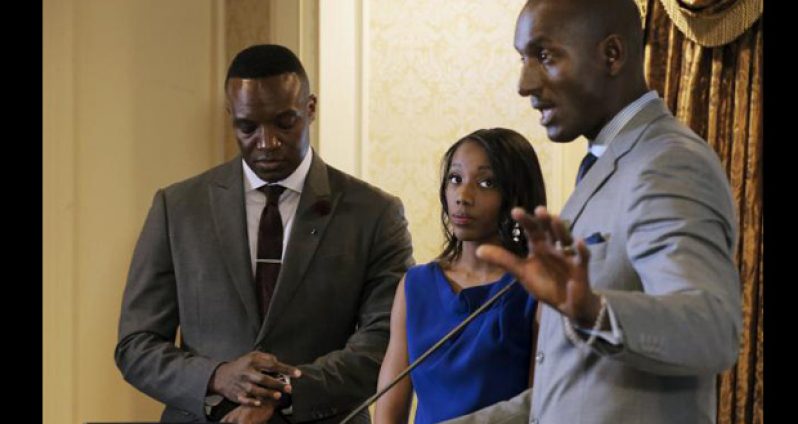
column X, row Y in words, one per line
column 267, row 362
column 583, row 259
column 532, row 225
column 288, row 370
column 232, row 416
column 247, row 400
column 584, row 252
column 269, row 381
column 254, row 378
column 561, row 232
column 501, row 257
column 260, row 387
column 543, row 230
column 249, row 415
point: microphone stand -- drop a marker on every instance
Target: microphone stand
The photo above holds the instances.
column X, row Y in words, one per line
column 429, row 351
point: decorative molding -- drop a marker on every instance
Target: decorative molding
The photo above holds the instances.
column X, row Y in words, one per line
column 339, row 117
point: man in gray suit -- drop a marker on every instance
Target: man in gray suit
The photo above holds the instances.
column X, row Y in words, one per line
column 641, row 314
column 345, row 245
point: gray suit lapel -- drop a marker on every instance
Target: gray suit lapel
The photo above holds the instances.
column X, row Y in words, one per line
column 229, row 220
column 606, row 165
column 316, row 206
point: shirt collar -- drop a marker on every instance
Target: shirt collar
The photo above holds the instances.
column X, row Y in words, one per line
column 293, row 182
column 611, row 130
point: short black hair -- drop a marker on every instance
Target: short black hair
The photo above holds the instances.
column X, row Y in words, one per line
column 263, row 61
column 518, row 177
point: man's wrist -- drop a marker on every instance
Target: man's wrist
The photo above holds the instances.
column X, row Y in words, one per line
column 588, row 320
column 213, row 386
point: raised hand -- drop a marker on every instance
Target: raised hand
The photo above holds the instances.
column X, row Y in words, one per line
column 554, row 271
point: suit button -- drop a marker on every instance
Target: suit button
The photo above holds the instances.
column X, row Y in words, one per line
column 534, row 421
column 539, row 357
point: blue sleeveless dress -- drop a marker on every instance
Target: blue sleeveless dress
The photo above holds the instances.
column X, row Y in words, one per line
column 487, row 362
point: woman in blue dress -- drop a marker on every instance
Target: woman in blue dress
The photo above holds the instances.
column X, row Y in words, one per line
column 485, row 175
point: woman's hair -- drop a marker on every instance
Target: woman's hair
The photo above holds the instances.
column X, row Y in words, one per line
column 517, row 176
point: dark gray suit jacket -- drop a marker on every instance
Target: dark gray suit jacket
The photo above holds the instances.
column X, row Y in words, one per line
column 661, row 202
column 348, row 248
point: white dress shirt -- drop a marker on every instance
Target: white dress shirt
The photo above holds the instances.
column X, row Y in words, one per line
column 289, row 201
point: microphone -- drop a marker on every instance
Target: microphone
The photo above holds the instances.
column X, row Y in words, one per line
column 429, row 351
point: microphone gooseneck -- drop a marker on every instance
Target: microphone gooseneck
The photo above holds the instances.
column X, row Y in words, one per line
column 429, row 351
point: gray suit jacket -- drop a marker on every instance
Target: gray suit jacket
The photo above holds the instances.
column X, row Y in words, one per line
column 348, row 248
column 659, row 198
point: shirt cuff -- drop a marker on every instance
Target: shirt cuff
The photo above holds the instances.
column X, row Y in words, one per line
column 211, row 401
column 614, row 336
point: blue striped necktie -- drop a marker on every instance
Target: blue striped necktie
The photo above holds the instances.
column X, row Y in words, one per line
column 587, row 162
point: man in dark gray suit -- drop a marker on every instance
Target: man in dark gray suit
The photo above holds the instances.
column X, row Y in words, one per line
column 197, row 267
column 639, row 316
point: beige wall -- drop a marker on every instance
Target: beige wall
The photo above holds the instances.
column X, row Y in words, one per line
column 131, row 101
column 416, row 76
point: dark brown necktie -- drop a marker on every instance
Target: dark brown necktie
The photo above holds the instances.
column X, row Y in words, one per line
column 270, row 247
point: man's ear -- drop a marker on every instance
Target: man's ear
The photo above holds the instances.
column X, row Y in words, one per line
column 614, row 54
column 311, row 107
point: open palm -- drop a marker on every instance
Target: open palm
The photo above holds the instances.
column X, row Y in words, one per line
column 554, row 275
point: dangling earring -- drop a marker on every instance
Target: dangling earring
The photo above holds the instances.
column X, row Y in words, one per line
column 516, row 233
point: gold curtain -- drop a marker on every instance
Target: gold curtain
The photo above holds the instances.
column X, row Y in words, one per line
column 718, row 93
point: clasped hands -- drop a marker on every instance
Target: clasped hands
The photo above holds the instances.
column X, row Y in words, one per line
column 251, row 381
